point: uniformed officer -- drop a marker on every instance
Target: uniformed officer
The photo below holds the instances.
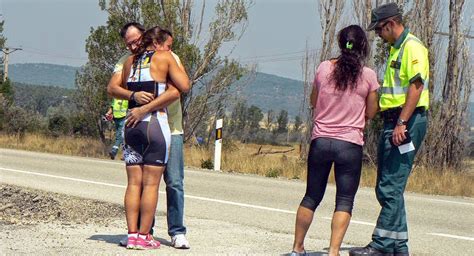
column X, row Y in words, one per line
column 403, row 103
column 118, row 111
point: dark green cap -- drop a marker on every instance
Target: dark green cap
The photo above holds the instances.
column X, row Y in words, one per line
column 383, row 12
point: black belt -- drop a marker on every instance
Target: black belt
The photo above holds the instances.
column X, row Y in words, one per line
column 392, row 114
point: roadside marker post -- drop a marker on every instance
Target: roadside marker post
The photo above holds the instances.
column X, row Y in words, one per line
column 218, row 147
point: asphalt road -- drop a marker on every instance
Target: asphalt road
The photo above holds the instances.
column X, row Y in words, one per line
column 248, row 214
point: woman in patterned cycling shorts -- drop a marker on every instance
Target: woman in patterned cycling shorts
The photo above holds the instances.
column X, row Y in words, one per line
column 147, row 135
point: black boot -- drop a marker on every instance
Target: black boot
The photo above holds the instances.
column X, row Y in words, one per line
column 367, row 251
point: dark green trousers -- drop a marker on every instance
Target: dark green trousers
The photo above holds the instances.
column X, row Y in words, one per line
column 391, row 233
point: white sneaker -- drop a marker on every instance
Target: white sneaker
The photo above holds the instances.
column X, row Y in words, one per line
column 180, row 242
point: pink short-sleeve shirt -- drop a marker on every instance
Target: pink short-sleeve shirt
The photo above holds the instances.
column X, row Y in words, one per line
column 341, row 115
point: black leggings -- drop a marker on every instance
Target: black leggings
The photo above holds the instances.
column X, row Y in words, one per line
column 347, row 159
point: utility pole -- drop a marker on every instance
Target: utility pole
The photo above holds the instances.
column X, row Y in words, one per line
column 6, row 51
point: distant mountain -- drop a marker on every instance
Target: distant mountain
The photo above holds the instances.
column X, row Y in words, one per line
column 271, row 92
column 265, row 91
column 43, row 74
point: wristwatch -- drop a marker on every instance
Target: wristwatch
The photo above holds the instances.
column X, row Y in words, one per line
column 401, row 122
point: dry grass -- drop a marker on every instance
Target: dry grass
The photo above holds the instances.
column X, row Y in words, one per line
column 242, row 158
column 66, row 145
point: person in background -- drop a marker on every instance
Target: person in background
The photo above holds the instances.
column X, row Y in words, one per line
column 117, row 112
column 344, row 96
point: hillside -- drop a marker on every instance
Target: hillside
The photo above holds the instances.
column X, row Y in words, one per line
column 43, row 74
column 270, row 92
column 41, row 98
column 265, row 91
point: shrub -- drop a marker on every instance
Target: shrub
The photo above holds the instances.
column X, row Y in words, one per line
column 273, row 172
column 207, row 164
column 59, row 125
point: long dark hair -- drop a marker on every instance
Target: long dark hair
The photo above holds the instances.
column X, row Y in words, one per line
column 154, row 34
column 354, row 50
column 148, row 37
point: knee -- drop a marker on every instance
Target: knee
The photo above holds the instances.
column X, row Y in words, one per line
column 310, row 203
column 175, row 184
column 344, row 204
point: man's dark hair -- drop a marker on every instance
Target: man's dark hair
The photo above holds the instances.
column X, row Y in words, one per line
column 137, row 25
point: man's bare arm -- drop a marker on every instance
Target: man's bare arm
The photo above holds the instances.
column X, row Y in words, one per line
column 116, row 89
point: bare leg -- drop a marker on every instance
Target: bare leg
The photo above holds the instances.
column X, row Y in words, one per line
column 132, row 196
column 340, row 222
column 304, row 217
column 151, row 183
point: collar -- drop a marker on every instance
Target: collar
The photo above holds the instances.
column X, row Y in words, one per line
column 400, row 40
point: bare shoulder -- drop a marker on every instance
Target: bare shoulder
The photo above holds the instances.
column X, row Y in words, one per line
column 163, row 56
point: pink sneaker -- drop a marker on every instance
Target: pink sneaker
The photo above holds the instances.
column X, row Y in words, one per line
column 148, row 243
column 132, row 242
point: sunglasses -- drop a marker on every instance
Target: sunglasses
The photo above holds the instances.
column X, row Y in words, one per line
column 134, row 42
column 378, row 29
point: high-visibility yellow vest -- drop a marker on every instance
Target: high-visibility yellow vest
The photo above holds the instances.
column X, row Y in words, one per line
column 119, row 108
column 408, row 62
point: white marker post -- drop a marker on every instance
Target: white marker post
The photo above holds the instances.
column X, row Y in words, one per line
column 218, row 147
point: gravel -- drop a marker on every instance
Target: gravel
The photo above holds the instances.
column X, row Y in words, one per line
column 21, row 206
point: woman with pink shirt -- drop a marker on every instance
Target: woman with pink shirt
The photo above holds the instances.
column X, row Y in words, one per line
column 344, row 95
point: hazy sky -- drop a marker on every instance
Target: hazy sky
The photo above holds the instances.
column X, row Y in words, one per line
column 54, row 31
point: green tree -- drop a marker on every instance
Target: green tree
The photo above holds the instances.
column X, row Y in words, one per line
column 255, row 115
column 238, row 118
column 6, row 92
column 282, row 122
column 211, row 75
column 269, row 119
column 3, row 39
column 298, row 123
column 6, row 89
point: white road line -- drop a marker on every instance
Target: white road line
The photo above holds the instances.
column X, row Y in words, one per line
column 240, row 204
column 161, row 192
column 63, row 178
column 408, row 197
column 444, row 201
column 354, row 221
column 452, row 236
column 213, row 200
column 122, row 186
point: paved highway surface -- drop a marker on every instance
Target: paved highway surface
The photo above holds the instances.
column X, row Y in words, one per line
column 246, row 214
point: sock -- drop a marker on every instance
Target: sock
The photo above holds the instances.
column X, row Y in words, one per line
column 132, row 234
column 142, row 236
